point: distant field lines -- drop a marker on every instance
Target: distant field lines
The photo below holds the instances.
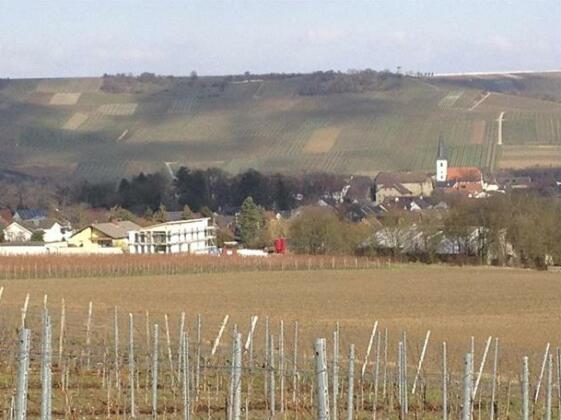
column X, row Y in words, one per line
column 531, row 128
column 525, row 156
column 480, row 101
column 478, row 132
column 450, row 99
column 269, row 125
column 182, row 106
column 322, row 140
column 69, row 85
column 65, row 98
column 75, row 121
column 123, row 109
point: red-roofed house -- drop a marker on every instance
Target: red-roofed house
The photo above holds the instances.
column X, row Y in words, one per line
column 469, row 175
column 465, row 180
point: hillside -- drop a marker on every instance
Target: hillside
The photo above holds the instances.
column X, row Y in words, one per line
column 105, row 128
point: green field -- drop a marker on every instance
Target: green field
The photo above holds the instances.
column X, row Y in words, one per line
column 74, row 127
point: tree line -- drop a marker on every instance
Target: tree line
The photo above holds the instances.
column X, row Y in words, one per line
column 505, row 229
column 210, row 189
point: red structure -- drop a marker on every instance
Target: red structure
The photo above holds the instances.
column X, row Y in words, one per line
column 280, row 245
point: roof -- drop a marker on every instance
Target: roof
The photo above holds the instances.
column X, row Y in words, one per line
column 464, row 174
column 5, row 216
column 174, row 215
column 441, row 153
column 41, row 224
column 28, row 214
column 171, row 224
column 360, row 187
column 515, row 182
column 116, row 230
column 400, row 188
column 391, row 178
column 33, row 225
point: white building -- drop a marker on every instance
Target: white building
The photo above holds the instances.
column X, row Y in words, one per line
column 441, row 163
column 51, row 231
column 196, row 236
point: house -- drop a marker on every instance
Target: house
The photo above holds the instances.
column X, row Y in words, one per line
column 104, row 235
column 392, row 185
column 16, row 232
column 513, row 182
column 360, row 210
column 411, row 240
column 30, row 214
column 359, row 189
column 194, row 236
column 464, row 180
column 51, row 230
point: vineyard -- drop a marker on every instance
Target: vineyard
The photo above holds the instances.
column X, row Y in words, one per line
column 45, row 267
column 236, row 345
column 264, row 124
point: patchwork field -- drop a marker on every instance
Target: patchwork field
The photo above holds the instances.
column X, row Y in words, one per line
column 518, row 157
column 322, row 140
column 65, row 99
column 270, row 125
column 75, row 121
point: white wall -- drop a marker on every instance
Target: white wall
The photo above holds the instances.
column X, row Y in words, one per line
column 23, row 250
column 15, row 233
column 86, row 251
column 441, row 170
column 187, row 236
column 7, row 250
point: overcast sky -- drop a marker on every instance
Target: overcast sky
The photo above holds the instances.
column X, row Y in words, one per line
column 58, row 38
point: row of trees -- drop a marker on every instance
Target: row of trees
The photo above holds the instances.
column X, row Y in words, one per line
column 328, row 82
column 519, row 229
column 511, row 229
column 313, row 230
column 209, row 189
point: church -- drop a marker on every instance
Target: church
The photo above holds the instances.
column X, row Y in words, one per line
column 467, row 180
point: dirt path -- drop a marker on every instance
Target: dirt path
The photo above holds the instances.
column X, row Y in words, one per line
column 170, row 170
column 500, row 129
column 480, row 101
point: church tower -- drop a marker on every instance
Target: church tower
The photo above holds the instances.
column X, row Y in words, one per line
column 441, row 162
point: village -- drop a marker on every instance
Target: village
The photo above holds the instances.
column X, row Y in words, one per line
column 374, row 204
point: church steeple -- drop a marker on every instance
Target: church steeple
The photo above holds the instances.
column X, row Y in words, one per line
column 441, row 161
column 441, row 151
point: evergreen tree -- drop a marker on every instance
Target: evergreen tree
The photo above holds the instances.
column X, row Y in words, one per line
column 250, row 221
column 206, row 212
column 284, row 199
column 253, row 184
column 160, row 215
column 192, row 188
column 37, row 236
column 187, row 213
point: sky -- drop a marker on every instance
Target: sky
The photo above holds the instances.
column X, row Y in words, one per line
column 63, row 38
